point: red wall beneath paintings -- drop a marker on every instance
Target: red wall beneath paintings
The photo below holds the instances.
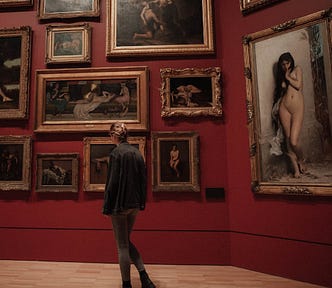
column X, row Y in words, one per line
column 290, row 237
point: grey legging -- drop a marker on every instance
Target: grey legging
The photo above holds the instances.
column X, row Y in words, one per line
column 122, row 226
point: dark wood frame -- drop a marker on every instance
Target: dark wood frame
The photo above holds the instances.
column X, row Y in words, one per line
column 56, row 158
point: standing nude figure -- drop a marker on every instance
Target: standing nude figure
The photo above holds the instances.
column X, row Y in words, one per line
column 291, row 108
column 175, row 159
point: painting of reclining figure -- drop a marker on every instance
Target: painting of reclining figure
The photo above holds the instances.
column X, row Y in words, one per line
column 90, row 101
column 81, row 100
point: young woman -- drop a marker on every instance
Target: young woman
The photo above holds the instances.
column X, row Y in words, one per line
column 290, row 101
column 125, row 195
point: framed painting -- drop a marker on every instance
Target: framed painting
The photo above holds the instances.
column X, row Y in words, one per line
column 96, row 158
column 57, row 172
column 90, row 99
column 59, row 9
column 191, row 92
column 248, row 6
column 15, row 168
column 177, row 27
column 70, row 43
column 289, row 105
column 15, row 3
column 15, row 48
column 175, row 161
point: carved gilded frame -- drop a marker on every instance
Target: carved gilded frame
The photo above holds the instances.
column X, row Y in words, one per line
column 191, row 92
column 16, row 153
column 59, row 9
column 14, row 73
column 126, row 37
column 308, row 39
column 185, row 177
column 247, row 6
column 96, row 156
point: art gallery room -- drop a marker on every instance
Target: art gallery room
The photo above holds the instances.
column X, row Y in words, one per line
column 229, row 103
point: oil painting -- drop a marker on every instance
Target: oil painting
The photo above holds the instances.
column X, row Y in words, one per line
column 15, row 49
column 70, row 43
column 15, row 3
column 191, row 92
column 72, row 100
column 57, row 172
column 58, row 9
column 15, row 163
column 139, row 27
column 248, row 6
column 289, row 88
column 96, row 160
column 175, row 161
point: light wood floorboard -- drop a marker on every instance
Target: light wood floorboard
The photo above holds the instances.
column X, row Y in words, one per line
column 39, row 274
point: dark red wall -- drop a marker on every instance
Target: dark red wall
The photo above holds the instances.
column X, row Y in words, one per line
column 290, row 237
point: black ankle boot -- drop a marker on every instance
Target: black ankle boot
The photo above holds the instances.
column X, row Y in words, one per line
column 145, row 280
column 126, row 284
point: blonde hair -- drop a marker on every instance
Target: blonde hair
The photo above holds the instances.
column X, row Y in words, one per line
column 119, row 129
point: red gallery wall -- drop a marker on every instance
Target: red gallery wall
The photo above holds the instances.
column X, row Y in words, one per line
column 290, row 237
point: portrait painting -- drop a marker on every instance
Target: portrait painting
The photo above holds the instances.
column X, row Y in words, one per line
column 163, row 27
column 15, row 3
column 57, row 172
column 289, row 88
column 91, row 99
column 15, row 163
column 97, row 152
column 52, row 9
column 175, row 161
column 248, row 6
column 69, row 43
column 191, row 92
column 15, row 49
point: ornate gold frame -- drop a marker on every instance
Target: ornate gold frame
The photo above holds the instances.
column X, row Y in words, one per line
column 100, row 161
column 83, row 42
column 15, row 3
column 162, row 176
column 247, row 6
column 205, row 81
column 9, row 143
column 309, row 39
column 67, row 13
column 97, row 81
column 118, row 25
column 10, row 111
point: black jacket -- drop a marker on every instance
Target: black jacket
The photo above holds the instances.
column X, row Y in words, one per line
column 126, row 180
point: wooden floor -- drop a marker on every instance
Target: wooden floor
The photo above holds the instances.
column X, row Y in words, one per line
column 27, row 274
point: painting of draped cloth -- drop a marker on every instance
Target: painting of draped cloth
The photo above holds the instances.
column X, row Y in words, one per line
column 89, row 103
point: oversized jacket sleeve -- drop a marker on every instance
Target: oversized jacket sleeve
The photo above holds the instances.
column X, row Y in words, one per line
column 110, row 181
